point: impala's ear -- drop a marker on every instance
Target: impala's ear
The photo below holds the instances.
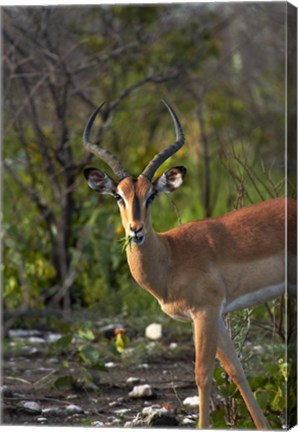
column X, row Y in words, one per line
column 100, row 181
column 170, row 180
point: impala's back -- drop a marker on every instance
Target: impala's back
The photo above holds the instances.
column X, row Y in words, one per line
column 236, row 260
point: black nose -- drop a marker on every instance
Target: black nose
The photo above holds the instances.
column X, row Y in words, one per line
column 136, row 229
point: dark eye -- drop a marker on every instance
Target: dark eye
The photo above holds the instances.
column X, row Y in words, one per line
column 119, row 199
column 150, row 199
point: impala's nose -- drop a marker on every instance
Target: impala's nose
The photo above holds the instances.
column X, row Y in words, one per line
column 136, row 228
column 137, row 233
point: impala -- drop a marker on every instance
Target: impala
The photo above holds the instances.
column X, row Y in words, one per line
column 200, row 270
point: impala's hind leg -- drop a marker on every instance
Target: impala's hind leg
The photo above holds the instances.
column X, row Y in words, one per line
column 229, row 359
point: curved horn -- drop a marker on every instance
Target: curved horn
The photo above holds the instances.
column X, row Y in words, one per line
column 99, row 151
column 168, row 151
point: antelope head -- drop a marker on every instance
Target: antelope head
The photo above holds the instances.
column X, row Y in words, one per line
column 134, row 196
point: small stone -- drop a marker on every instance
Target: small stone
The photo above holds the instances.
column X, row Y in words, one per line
column 133, row 380
column 74, row 409
column 191, row 402
column 122, row 411
column 53, row 337
column 173, row 345
column 29, row 350
column 32, row 407
column 53, row 360
column 141, row 391
column 6, row 391
column 36, row 340
column 42, row 419
column 143, row 366
column 162, row 417
column 97, row 424
column 22, row 333
column 148, row 410
column 53, row 411
column 137, row 421
column 110, row 365
column 71, row 396
column 188, row 421
column 116, row 421
column 114, row 403
column 153, row 331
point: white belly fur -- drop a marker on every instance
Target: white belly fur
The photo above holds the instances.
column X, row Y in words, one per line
column 254, row 298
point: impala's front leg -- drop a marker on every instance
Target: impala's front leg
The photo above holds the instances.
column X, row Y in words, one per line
column 206, row 326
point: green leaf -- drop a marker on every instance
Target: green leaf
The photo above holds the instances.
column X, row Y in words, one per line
column 89, row 354
column 272, row 368
column 218, row 418
column 64, row 381
column 263, row 399
column 219, row 376
column 62, row 344
column 86, row 333
column 279, row 402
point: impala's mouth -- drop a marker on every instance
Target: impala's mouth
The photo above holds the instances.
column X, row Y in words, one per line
column 138, row 239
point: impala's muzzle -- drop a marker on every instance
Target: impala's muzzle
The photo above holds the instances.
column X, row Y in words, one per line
column 137, row 234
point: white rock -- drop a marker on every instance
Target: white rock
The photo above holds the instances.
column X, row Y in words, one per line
column 74, row 409
column 137, row 421
column 153, row 331
column 162, row 418
column 42, row 419
column 97, row 424
column 110, row 365
column 22, row 333
column 54, row 411
column 33, row 407
column 116, row 421
column 36, row 340
column 188, row 421
column 141, row 391
column 122, row 411
column 70, row 396
column 143, row 366
column 191, row 402
column 150, row 410
column 133, row 380
column 53, row 337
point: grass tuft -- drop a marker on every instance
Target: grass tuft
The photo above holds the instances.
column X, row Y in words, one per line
column 125, row 241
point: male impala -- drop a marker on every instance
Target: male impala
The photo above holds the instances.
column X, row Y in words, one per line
column 200, row 270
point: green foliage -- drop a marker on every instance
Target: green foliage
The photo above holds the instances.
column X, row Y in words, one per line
column 126, row 242
column 78, row 352
column 269, row 389
column 181, row 48
column 266, row 364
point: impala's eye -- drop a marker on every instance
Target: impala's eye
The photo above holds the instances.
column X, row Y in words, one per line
column 119, row 199
column 150, row 199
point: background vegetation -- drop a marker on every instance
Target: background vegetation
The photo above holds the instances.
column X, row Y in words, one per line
column 221, row 65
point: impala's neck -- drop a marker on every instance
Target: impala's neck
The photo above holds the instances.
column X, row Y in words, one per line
column 148, row 264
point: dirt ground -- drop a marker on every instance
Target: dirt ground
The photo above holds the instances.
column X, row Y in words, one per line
column 26, row 379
